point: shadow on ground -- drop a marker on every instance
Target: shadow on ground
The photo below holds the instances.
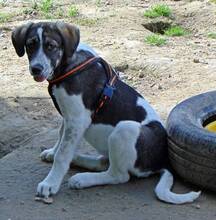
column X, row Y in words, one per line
column 22, row 118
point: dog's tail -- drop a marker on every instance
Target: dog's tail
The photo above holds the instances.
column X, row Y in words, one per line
column 163, row 191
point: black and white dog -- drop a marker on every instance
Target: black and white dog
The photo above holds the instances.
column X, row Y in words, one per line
column 126, row 131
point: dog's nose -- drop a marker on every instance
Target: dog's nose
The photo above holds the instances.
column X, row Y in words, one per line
column 37, row 69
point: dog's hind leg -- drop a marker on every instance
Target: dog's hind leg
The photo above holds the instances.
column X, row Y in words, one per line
column 48, row 154
column 91, row 162
column 122, row 157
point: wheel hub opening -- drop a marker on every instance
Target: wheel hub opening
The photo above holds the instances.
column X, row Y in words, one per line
column 210, row 124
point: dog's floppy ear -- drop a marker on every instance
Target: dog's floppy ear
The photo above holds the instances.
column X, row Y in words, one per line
column 70, row 35
column 19, row 37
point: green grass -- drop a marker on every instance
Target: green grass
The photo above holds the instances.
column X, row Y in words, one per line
column 175, row 31
column 5, row 17
column 213, row 1
column 212, row 35
column 73, row 11
column 46, row 6
column 98, row 3
column 157, row 11
column 155, row 40
column 3, row 3
column 43, row 7
column 34, row 5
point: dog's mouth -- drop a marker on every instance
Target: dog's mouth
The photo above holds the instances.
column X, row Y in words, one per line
column 39, row 78
column 40, row 73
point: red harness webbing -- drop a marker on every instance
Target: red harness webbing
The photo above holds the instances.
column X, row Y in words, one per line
column 71, row 72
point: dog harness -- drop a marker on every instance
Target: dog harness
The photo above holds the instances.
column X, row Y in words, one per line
column 108, row 90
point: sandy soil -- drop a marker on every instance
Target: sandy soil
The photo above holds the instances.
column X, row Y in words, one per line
column 165, row 75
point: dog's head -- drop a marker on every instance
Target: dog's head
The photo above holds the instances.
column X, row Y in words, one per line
column 47, row 46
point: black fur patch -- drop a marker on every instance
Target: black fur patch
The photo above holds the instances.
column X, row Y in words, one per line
column 122, row 106
column 151, row 146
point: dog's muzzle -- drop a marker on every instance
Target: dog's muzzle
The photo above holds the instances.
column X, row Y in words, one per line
column 37, row 72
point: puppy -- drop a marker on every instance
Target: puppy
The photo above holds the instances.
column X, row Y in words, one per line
column 95, row 104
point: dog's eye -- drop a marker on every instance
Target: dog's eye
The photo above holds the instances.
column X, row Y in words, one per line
column 31, row 44
column 50, row 46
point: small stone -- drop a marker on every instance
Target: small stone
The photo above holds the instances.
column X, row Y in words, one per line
column 2, row 35
column 4, row 48
column 152, row 85
column 141, row 75
column 108, row 3
column 195, row 60
column 34, row 13
column 160, row 87
column 121, row 67
column 37, row 198
column 197, row 206
column 64, row 210
column 197, row 35
column 16, row 100
column 99, row 194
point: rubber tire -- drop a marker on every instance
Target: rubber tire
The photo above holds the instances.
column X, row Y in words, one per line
column 192, row 149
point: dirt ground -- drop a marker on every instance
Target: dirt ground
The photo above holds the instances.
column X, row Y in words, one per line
column 164, row 75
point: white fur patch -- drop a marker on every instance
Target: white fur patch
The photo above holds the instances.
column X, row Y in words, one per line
column 85, row 47
column 163, row 192
column 151, row 114
column 41, row 58
column 123, row 141
column 122, row 156
column 97, row 135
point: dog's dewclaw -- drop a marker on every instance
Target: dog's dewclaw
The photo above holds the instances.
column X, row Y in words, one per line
column 47, row 200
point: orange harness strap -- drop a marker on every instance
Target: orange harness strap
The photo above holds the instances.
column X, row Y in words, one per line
column 71, row 72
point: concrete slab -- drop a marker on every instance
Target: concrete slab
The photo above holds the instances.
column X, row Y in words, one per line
column 22, row 170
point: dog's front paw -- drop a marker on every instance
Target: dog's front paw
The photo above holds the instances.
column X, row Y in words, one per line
column 48, row 155
column 46, row 189
column 78, row 181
